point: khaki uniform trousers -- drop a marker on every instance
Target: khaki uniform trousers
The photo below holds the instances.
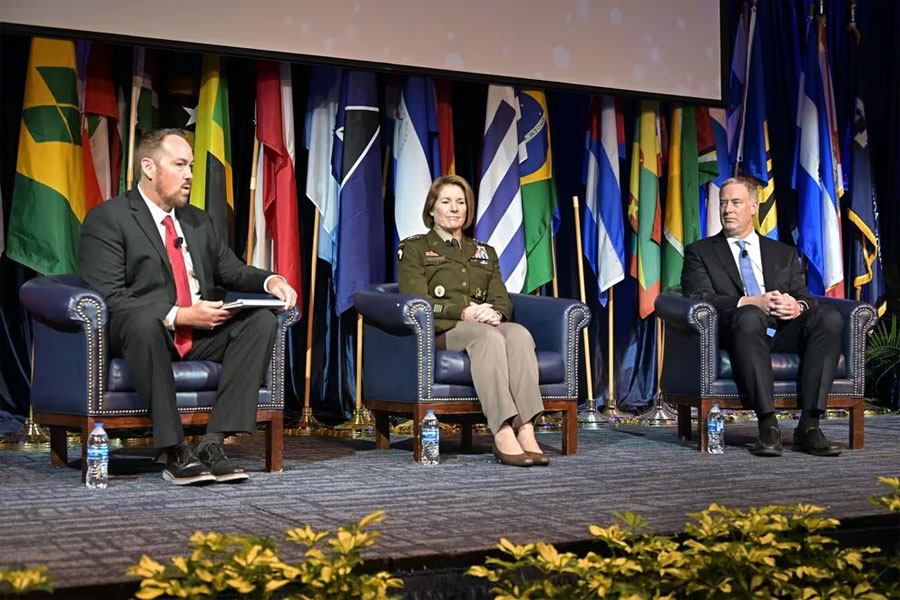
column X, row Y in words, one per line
column 504, row 370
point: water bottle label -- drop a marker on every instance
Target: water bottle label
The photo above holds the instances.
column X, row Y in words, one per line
column 715, row 426
column 430, row 435
column 98, row 452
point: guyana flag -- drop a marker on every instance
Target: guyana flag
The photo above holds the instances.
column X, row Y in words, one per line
column 682, row 219
column 643, row 206
column 212, row 189
column 48, row 202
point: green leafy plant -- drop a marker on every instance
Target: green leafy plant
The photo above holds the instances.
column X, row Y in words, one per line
column 768, row 552
column 253, row 568
column 23, row 581
column 883, row 352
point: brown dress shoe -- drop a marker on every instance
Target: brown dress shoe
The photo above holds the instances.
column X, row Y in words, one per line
column 538, row 458
column 515, row 460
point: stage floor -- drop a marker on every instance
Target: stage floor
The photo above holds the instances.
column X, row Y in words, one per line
column 457, row 509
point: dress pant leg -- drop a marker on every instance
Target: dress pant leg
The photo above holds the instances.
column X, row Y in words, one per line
column 243, row 345
column 751, row 359
column 148, row 349
column 523, row 372
column 486, row 348
column 817, row 336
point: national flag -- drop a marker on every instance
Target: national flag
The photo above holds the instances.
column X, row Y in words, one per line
column 643, row 206
column 356, row 164
column 865, row 262
column 604, row 229
column 443, row 93
column 275, row 218
column 682, row 218
column 48, row 203
column 817, row 170
column 212, row 189
column 537, row 187
column 707, row 161
column 713, row 220
column 499, row 215
column 417, row 160
column 100, row 116
column 178, row 105
column 143, row 68
column 322, row 187
column 737, row 90
column 754, row 158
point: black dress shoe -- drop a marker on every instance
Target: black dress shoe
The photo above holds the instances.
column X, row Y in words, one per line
column 813, row 441
column 769, row 442
column 213, row 456
column 538, row 458
column 184, row 468
column 515, row 460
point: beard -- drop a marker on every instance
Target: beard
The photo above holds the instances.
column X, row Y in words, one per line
column 173, row 199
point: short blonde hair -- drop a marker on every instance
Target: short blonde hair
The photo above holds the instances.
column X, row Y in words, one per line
column 432, row 197
column 750, row 186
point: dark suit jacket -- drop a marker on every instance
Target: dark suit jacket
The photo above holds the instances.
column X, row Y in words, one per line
column 711, row 274
column 123, row 258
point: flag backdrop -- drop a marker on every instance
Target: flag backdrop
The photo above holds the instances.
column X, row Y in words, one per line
column 321, row 185
column 817, row 171
column 417, row 160
column 537, row 187
column 48, row 203
column 212, row 189
column 101, row 115
column 443, row 92
column 356, row 162
column 643, row 206
column 499, row 218
column 604, row 229
column 720, row 136
column 682, row 218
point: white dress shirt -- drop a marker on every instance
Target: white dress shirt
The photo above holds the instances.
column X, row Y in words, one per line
column 752, row 248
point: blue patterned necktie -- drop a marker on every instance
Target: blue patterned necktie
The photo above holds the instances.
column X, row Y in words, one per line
column 751, row 285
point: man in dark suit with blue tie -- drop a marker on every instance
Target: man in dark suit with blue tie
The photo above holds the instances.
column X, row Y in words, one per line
column 758, row 287
column 161, row 267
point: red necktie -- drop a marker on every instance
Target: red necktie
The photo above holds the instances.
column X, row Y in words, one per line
column 184, row 336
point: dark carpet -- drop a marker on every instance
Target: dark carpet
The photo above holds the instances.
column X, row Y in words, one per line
column 459, row 508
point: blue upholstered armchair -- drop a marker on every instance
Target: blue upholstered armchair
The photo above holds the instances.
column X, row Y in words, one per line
column 403, row 372
column 75, row 382
column 696, row 372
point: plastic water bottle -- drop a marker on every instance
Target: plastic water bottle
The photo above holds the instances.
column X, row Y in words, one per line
column 715, row 427
column 97, row 458
column 431, row 437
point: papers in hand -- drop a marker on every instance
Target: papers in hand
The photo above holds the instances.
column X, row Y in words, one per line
column 241, row 303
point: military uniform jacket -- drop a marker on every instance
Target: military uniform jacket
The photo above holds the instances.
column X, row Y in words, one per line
column 451, row 277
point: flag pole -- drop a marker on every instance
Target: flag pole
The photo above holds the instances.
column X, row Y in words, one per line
column 31, row 436
column 132, row 126
column 359, row 424
column 659, row 415
column 589, row 417
column 251, row 225
column 553, row 251
column 611, row 412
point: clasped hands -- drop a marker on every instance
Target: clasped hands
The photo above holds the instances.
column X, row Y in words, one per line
column 481, row 313
column 777, row 304
column 206, row 314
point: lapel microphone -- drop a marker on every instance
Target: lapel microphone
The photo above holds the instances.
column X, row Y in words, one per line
column 179, row 242
column 744, row 253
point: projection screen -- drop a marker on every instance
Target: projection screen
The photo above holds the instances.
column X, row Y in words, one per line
column 654, row 47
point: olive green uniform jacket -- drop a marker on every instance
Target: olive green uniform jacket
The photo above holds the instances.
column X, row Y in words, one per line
column 451, row 277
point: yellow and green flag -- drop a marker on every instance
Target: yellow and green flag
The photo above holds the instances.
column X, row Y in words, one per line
column 538, row 189
column 48, row 202
column 682, row 222
column 643, row 206
column 212, row 189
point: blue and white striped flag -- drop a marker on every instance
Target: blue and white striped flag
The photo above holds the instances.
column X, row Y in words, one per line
column 604, row 229
column 321, row 185
column 499, row 220
column 417, row 159
column 720, row 135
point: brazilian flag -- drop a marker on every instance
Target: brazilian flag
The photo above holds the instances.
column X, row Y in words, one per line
column 212, row 189
column 48, row 202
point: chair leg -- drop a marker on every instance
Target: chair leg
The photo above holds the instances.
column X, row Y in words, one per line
column 59, row 453
column 684, row 421
column 702, row 431
column 465, row 437
column 857, row 426
column 570, row 429
column 87, row 424
column 418, row 416
column 275, row 443
column 382, row 430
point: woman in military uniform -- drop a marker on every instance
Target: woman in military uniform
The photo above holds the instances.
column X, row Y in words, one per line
column 461, row 278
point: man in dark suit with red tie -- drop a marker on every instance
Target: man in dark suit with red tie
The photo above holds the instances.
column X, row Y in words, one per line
column 758, row 287
column 158, row 261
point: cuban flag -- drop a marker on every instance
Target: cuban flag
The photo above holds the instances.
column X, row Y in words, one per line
column 356, row 164
column 499, row 217
column 604, row 229
column 817, row 171
column 417, row 159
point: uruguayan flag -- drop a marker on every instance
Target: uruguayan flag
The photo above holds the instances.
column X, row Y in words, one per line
column 604, row 230
column 417, row 158
column 499, row 219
